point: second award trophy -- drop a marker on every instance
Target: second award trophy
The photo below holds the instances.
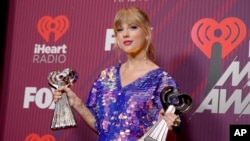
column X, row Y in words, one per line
column 174, row 102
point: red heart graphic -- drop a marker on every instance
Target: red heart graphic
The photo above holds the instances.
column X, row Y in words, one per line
column 36, row 137
column 58, row 26
column 232, row 32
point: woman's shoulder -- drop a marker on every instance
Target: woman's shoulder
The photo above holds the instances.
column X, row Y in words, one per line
column 167, row 78
column 165, row 74
column 110, row 69
column 159, row 70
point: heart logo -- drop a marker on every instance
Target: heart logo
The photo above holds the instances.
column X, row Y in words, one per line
column 47, row 25
column 36, row 137
column 229, row 33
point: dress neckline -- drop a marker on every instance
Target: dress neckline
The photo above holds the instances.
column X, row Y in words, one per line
column 133, row 82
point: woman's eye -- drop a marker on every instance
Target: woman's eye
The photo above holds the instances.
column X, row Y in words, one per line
column 119, row 29
column 133, row 27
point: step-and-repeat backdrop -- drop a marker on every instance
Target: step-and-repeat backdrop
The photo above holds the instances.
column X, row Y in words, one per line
column 204, row 45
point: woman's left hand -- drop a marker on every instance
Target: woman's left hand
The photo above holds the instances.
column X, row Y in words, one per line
column 171, row 119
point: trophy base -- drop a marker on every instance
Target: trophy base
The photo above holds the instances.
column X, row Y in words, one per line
column 63, row 115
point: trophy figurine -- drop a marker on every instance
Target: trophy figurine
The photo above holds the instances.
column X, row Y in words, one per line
column 172, row 101
column 63, row 116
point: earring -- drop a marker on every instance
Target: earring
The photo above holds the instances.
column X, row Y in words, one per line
column 118, row 44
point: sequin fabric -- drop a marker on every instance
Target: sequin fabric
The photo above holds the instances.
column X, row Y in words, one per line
column 126, row 113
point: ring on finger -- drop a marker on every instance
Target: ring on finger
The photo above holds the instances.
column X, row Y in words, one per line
column 177, row 122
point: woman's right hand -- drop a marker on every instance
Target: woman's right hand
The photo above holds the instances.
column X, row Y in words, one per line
column 72, row 97
column 76, row 103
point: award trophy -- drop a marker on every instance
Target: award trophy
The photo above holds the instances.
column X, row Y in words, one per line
column 63, row 116
column 172, row 101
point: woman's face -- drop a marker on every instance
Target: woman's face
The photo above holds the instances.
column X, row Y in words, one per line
column 131, row 38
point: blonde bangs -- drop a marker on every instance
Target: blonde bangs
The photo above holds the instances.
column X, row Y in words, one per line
column 129, row 16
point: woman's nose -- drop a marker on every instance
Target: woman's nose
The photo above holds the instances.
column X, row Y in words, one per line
column 125, row 33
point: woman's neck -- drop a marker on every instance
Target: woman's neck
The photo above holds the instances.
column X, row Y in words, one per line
column 139, row 64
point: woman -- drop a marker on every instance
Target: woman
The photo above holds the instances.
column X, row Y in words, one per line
column 124, row 101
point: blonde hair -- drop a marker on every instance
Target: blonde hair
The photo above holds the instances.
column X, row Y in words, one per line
column 140, row 18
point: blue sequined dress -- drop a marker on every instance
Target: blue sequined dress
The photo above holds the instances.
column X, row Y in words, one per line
column 126, row 113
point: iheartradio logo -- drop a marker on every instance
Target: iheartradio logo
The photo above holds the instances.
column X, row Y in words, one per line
column 36, row 137
column 229, row 33
column 51, row 29
column 47, row 25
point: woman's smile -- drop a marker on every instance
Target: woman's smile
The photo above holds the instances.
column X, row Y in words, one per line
column 127, row 42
